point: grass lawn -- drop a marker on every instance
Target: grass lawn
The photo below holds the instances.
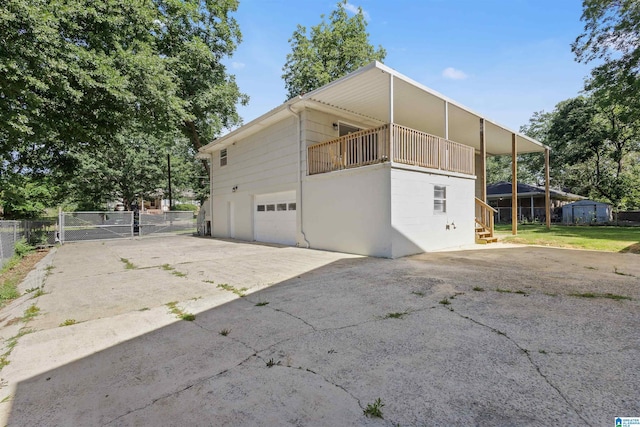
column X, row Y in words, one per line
column 599, row 238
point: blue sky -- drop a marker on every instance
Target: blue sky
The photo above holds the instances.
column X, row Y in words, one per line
column 505, row 59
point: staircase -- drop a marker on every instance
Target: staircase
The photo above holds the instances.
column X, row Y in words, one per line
column 484, row 223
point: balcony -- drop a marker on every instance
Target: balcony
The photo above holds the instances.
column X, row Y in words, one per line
column 390, row 142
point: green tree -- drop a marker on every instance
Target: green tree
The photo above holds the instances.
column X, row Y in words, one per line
column 332, row 50
column 74, row 74
column 594, row 153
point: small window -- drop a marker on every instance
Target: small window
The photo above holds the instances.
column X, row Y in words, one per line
column 223, row 157
column 439, row 199
column 282, row 206
column 260, row 208
column 292, row 206
column 271, row 208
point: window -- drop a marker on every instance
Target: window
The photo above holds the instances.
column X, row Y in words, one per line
column 260, row 208
column 271, row 208
column 282, row 206
column 345, row 129
column 292, row 206
column 223, row 157
column 439, row 199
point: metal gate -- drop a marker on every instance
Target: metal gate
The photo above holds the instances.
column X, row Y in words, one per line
column 167, row 222
column 81, row 226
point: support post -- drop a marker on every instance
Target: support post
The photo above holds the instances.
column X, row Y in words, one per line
column 169, row 178
column 514, row 185
column 483, row 162
column 391, row 118
column 547, row 197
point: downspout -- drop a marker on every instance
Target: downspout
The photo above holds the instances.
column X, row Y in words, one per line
column 300, row 142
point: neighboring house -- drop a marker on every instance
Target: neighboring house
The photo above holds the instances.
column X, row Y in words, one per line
column 531, row 202
column 586, row 212
column 373, row 163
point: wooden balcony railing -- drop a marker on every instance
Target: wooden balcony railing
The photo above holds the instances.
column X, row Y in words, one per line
column 390, row 142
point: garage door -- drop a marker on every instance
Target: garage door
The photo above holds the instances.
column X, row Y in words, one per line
column 275, row 218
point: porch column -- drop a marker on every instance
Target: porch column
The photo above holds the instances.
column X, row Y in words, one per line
column 532, row 211
column 446, row 120
column 514, row 185
column 391, row 127
column 483, row 162
column 547, row 197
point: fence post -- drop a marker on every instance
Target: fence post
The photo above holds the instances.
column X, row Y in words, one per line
column 61, row 225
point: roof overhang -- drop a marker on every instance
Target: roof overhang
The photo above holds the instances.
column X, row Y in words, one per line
column 380, row 95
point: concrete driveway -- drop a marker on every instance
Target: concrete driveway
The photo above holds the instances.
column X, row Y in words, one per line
column 502, row 336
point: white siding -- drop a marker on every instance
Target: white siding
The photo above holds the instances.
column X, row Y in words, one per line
column 415, row 226
column 265, row 162
column 349, row 211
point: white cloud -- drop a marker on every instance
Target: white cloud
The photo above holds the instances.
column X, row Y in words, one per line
column 237, row 65
column 453, row 74
column 354, row 9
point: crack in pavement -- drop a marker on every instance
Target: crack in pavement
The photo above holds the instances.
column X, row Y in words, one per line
column 526, row 353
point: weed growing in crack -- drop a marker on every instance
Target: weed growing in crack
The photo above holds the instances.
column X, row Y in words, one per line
column 374, row 409
column 271, row 363
column 418, row 293
column 144, row 309
column 68, row 322
column 30, row 313
column 127, row 264
column 225, row 332
column 504, row 291
column 173, row 307
column 38, row 293
column 620, row 273
column 478, row 289
column 178, row 273
column 445, row 301
column 596, row 295
column 11, row 343
column 261, row 303
column 208, row 281
column 521, row 293
column 397, row 315
column 240, row 292
column 166, row 267
column 542, row 352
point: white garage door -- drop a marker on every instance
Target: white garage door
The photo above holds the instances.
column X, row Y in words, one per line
column 275, row 218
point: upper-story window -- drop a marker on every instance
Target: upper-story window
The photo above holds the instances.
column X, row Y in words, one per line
column 223, row 157
column 345, row 129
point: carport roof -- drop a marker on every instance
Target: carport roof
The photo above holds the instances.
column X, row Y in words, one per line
column 378, row 93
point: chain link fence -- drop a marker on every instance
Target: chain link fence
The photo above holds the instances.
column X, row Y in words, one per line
column 82, row 226
column 10, row 233
column 167, row 222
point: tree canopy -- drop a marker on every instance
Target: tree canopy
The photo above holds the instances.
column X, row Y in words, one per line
column 332, row 50
column 78, row 78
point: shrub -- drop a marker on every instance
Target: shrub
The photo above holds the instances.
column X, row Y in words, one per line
column 184, row 207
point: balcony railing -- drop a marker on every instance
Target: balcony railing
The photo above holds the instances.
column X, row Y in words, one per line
column 390, row 142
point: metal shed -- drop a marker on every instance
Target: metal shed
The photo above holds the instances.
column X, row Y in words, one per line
column 586, row 212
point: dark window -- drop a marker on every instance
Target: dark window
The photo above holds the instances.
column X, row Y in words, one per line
column 292, row 206
column 345, row 129
column 282, row 206
column 223, row 157
column 271, row 208
column 260, row 208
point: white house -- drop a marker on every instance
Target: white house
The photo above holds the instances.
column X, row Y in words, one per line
column 373, row 163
